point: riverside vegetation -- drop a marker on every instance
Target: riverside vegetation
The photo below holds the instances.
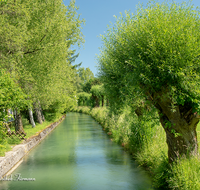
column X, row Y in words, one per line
column 149, row 65
column 38, row 82
column 148, row 75
column 145, row 139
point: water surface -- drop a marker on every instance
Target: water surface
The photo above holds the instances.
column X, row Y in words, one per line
column 77, row 155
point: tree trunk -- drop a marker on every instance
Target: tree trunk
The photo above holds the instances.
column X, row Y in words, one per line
column 179, row 124
column 102, row 101
column 181, row 140
column 18, row 122
column 107, row 102
column 38, row 113
column 31, row 117
column 96, row 101
column 43, row 119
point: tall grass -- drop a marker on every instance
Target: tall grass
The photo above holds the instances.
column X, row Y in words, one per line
column 185, row 174
column 146, row 141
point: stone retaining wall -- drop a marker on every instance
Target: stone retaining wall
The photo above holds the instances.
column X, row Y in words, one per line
column 12, row 158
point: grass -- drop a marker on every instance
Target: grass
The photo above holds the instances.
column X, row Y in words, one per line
column 185, row 174
column 39, row 127
column 145, row 139
column 8, row 143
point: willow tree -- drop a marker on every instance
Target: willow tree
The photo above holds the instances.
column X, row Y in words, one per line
column 84, row 99
column 98, row 93
column 154, row 53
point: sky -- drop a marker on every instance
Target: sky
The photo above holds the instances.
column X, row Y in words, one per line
column 98, row 14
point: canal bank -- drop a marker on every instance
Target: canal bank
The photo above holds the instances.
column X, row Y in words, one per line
column 14, row 158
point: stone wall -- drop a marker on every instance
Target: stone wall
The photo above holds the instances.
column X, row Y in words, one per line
column 12, row 158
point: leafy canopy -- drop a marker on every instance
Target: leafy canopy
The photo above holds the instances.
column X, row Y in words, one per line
column 158, row 46
column 36, row 45
column 11, row 95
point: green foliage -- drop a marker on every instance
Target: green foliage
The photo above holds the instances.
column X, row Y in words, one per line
column 82, row 109
column 143, row 53
column 156, row 47
column 85, row 74
column 88, row 85
column 11, row 96
column 36, row 46
column 37, row 38
column 4, row 148
column 97, row 90
column 185, row 174
column 83, row 78
column 13, row 140
column 84, row 99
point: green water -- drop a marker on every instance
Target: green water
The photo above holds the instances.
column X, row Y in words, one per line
column 77, row 155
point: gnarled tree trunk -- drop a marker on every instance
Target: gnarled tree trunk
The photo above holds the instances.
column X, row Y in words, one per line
column 18, row 121
column 179, row 124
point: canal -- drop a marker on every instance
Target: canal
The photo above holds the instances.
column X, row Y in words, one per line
column 77, row 155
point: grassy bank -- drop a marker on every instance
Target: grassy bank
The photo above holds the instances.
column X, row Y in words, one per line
column 145, row 140
column 9, row 143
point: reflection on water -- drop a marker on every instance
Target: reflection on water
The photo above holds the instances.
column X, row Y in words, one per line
column 78, row 155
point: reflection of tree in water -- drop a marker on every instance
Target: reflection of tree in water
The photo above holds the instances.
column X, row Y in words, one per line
column 123, row 169
column 59, row 146
column 115, row 155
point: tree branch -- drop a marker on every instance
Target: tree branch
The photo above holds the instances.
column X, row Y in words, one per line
column 42, row 38
column 33, row 51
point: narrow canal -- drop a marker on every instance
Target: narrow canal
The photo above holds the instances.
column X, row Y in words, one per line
column 78, row 155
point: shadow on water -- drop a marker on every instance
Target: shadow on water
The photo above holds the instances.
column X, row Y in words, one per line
column 78, row 155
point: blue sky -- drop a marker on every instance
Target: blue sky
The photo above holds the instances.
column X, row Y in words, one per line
column 98, row 14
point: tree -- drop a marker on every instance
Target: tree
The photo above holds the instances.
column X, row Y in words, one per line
column 36, row 48
column 97, row 94
column 84, row 99
column 11, row 96
column 154, row 55
column 83, row 77
column 88, row 85
column 50, row 51
column 85, row 74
